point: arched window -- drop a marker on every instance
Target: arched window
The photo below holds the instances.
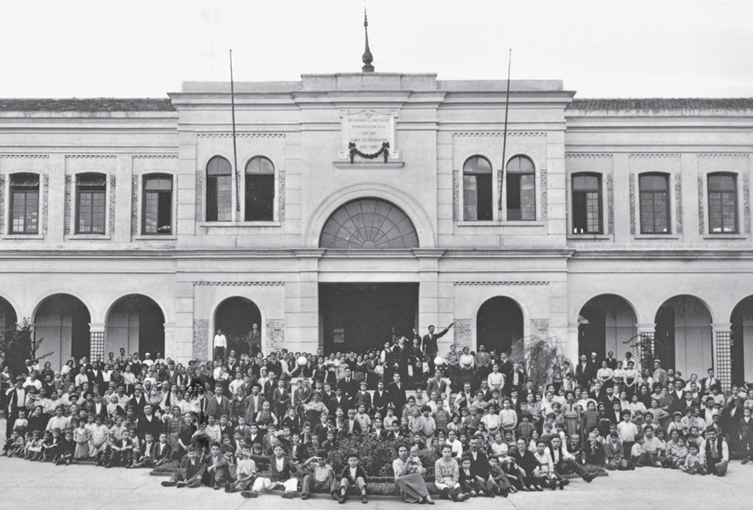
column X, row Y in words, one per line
column 521, row 189
column 723, row 203
column 91, row 203
column 477, row 190
column 24, row 204
column 587, row 204
column 158, row 204
column 655, row 207
column 219, row 190
column 260, row 189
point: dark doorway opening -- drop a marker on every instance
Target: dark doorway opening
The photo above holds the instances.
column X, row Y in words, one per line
column 235, row 316
column 499, row 324
column 664, row 338
column 742, row 333
column 360, row 316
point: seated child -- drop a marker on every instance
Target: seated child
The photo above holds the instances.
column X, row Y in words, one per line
column 318, row 475
column 447, row 476
column 192, row 470
column 218, row 468
column 502, row 484
column 245, row 471
column 33, row 450
column 66, row 449
column 353, row 475
column 14, row 446
column 121, row 451
column 692, row 464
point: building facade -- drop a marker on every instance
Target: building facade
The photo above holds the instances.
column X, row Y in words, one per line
column 135, row 224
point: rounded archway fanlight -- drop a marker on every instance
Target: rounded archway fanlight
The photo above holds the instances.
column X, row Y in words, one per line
column 369, row 224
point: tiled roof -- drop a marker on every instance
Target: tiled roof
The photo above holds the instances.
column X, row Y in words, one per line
column 97, row 104
column 660, row 104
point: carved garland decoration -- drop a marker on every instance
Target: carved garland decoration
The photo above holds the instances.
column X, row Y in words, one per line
column 384, row 150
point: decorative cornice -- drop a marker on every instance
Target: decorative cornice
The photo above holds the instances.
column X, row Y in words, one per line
column 90, row 156
column 24, row 156
column 155, row 156
column 497, row 133
column 239, row 284
column 724, row 155
column 240, row 135
column 587, row 156
column 652, row 155
column 505, row 283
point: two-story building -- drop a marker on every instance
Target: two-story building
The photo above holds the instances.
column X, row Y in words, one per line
column 135, row 223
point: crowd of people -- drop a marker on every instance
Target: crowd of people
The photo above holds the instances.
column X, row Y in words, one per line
column 250, row 422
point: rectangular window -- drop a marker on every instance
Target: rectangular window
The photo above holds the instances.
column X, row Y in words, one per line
column 219, row 198
column 91, row 204
column 654, row 204
column 24, row 206
column 587, row 208
column 158, row 203
column 722, row 204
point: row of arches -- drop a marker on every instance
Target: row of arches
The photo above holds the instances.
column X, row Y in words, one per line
column 683, row 333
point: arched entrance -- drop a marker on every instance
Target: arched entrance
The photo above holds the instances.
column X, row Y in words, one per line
column 741, row 351
column 606, row 323
column 499, row 323
column 235, row 317
column 62, row 320
column 136, row 323
column 683, row 335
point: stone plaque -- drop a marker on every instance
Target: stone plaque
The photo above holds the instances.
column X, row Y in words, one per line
column 368, row 129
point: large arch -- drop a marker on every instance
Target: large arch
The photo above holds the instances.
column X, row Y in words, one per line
column 62, row 322
column 683, row 335
column 421, row 220
column 741, row 351
column 499, row 324
column 369, row 223
column 235, row 316
column 606, row 322
column 136, row 323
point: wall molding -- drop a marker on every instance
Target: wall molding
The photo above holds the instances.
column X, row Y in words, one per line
column 651, row 155
column 497, row 133
column 588, row 156
column 24, row 156
column 155, row 156
column 239, row 284
column 503, row 283
column 240, row 135
column 90, row 156
column 724, row 155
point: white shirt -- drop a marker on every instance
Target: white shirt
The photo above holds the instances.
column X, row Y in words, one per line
column 220, row 341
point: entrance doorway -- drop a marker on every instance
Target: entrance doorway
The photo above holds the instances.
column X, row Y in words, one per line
column 235, row 317
column 360, row 316
column 499, row 324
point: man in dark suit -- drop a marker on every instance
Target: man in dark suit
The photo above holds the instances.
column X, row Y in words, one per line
column 710, row 382
column 677, row 398
column 584, row 372
column 564, row 462
column 397, row 396
column 429, row 344
column 96, row 378
column 381, row 399
column 253, row 403
column 611, row 360
column 149, row 423
column 479, row 465
column 218, row 404
column 339, row 400
column 348, row 384
column 253, row 339
column 351, row 427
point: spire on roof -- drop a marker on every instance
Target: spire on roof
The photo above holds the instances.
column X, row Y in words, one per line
column 367, row 58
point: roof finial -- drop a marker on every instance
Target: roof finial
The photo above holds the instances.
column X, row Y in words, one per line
column 367, row 56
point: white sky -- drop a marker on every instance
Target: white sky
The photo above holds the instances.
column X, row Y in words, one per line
column 604, row 48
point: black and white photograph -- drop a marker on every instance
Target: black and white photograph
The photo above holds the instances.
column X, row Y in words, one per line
column 373, row 253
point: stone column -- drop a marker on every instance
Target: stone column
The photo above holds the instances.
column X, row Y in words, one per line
column 722, row 346
column 647, row 345
column 299, row 331
column 571, row 346
column 96, row 341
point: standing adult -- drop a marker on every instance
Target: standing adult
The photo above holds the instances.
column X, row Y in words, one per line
column 253, row 339
column 219, row 344
column 16, row 398
column 429, row 344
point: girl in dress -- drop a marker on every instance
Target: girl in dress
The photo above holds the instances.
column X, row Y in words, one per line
column 81, row 437
column 98, row 438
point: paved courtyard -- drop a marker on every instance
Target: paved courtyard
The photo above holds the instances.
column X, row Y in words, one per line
column 32, row 485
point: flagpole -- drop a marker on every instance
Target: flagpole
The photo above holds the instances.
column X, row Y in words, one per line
column 235, row 150
column 504, row 133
